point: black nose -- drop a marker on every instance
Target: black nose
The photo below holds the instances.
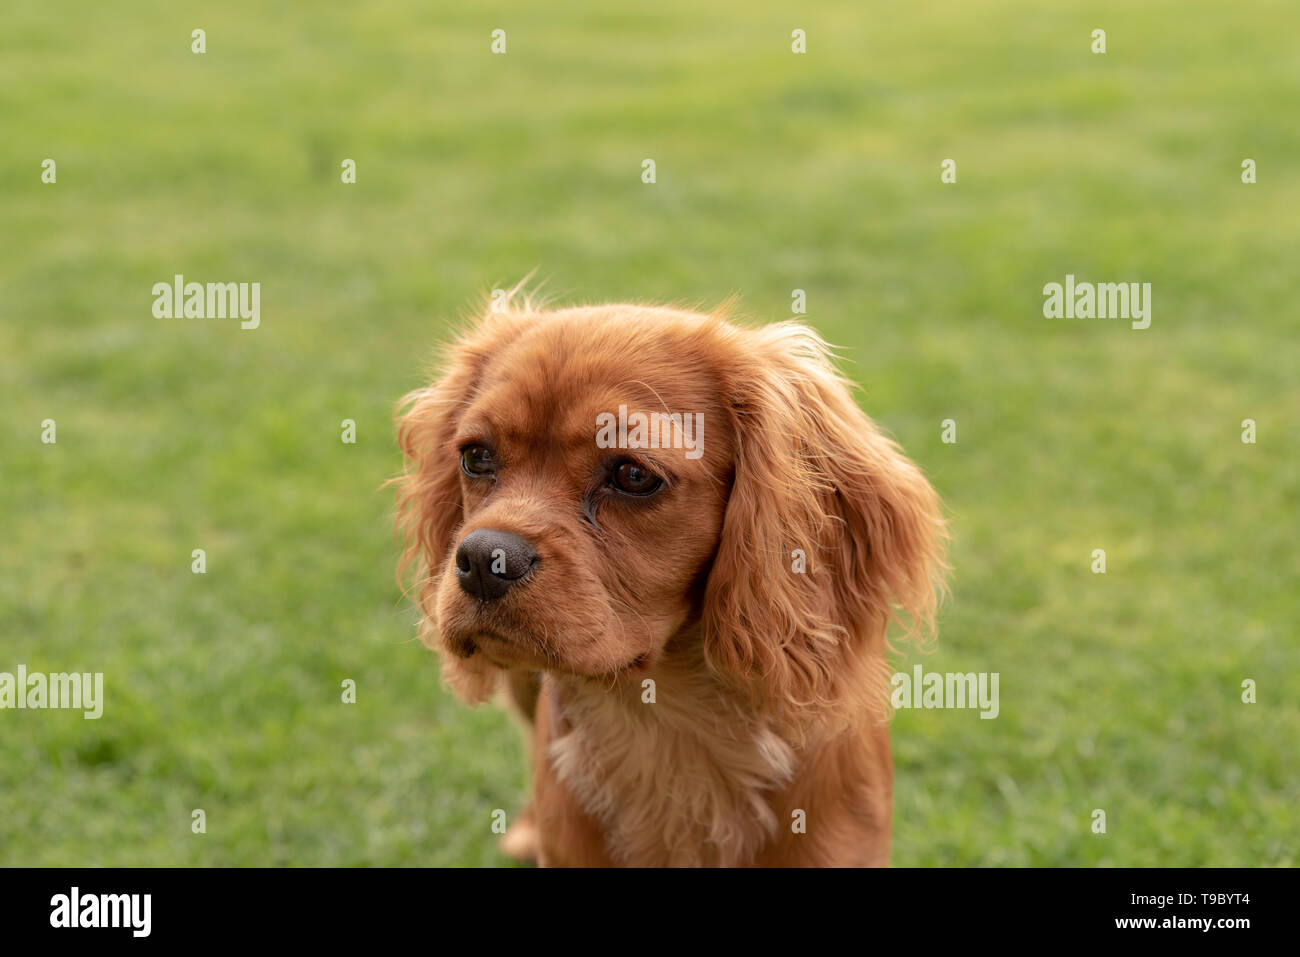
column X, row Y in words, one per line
column 489, row 562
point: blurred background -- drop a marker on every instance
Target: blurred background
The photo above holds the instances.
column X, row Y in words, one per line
column 775, row 172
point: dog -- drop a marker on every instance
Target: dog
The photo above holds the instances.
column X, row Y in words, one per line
column 690, row 616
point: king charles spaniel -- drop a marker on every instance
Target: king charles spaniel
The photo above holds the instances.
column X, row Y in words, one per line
column 675, row 542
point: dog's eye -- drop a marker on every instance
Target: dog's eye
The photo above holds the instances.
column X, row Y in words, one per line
column 477, row 461
column 634, row 480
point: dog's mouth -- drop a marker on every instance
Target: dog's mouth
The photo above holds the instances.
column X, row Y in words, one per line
column 469, row 644
column 500, row 650
column 463, row 646
column 512, row 653
column 471, row 628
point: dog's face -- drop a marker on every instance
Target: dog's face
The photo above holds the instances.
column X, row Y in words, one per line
column 577, row 550
column 771, row 523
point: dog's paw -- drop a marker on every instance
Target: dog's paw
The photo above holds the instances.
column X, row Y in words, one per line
column 520, row 840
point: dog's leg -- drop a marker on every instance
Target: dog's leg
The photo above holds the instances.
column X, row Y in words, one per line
column 522, row 691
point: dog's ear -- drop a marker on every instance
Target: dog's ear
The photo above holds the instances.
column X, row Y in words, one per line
column 830, row 532
column 429, row 501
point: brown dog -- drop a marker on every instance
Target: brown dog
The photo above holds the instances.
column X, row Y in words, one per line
column 679, row 543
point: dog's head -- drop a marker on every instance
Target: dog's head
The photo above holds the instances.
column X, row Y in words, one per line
column 588, row 488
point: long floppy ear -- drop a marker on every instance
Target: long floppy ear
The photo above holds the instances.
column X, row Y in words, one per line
column 813, row 477
column 429, row 504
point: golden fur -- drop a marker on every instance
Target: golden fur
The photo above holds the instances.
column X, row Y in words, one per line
column 769, row 683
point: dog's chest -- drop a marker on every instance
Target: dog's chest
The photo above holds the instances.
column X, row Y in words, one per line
column 668, row 786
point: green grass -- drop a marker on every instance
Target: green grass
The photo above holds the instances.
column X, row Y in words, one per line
column 775, row 172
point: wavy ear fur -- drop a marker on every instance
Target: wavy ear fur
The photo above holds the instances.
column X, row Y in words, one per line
column 813, row 473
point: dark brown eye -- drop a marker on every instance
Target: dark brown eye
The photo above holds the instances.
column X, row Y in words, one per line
column 634, row 480
column 477, row 461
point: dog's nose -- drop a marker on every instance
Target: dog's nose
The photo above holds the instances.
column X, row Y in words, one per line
column 489, row 562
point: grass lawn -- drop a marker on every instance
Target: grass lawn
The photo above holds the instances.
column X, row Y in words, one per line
column 775, row 172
